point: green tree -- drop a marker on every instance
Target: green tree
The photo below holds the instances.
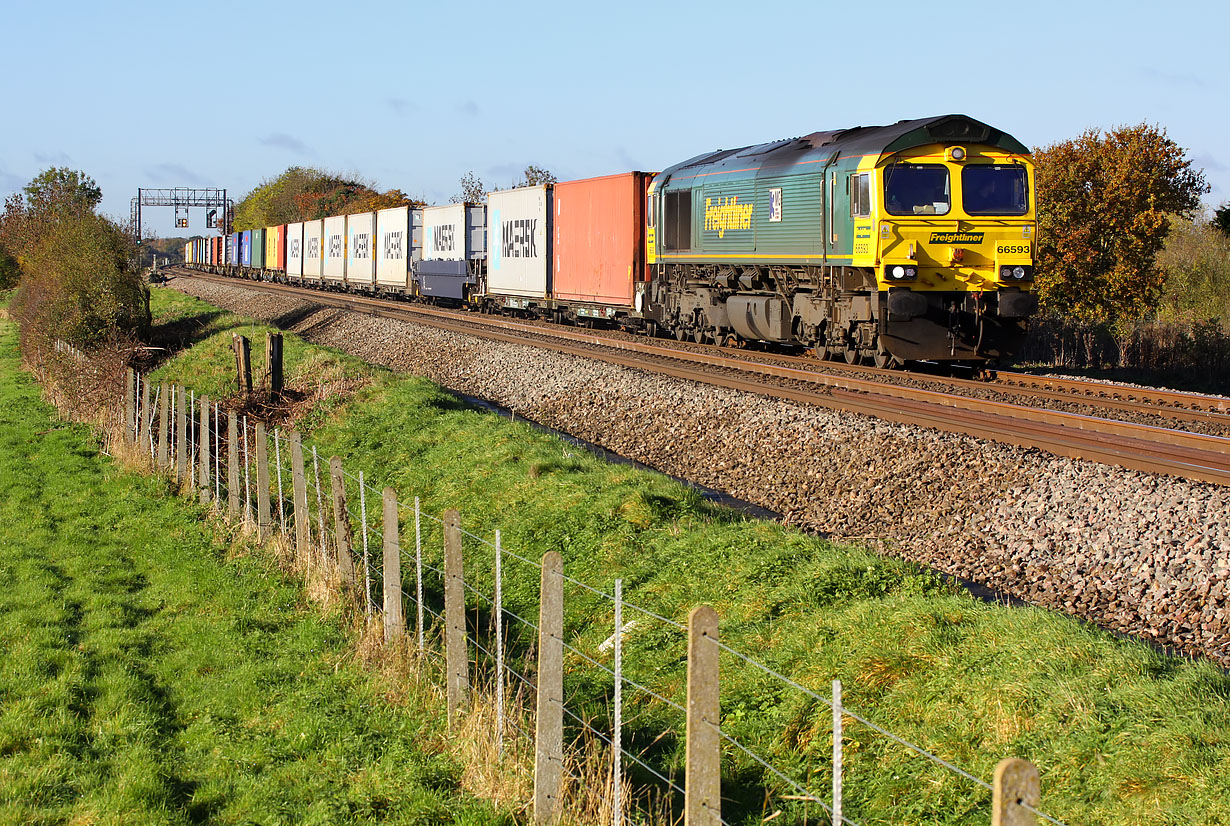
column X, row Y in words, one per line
column 1221, row 219
column 1196, row 261
column 538, row 176
column 61, row 188
column 1105, row 203
column 9, row 271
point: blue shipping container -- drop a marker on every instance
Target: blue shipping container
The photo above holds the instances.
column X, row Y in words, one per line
column 245, row 248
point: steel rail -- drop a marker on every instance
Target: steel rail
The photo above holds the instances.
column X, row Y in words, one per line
column 1139, row 447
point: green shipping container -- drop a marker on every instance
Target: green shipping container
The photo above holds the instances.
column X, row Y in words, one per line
column 258, row 248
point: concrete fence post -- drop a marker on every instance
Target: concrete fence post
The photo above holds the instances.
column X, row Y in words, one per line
column 549, row 727
column 299, row 491
column 181, row 435
column 203, row 465
column 341, row 522
column 456, row 657
column 1016, row 781
column 232, row 463
column 145, row 416
column 164, row 423
column 702, row 785
column 130, row 401
column 394, row 619
column 264, row 516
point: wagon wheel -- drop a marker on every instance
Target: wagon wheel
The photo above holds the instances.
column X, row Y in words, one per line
column 698, row 335
column 680, row 334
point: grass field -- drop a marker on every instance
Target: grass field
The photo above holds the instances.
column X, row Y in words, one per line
column 149, row 676
column 1121, row 733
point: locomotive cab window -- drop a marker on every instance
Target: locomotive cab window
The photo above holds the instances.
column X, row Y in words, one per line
column 993, row 189
column 917, row 189
column 860, row 195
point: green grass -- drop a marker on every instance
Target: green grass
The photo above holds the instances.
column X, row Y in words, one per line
column 146, row 678
column 1121, row 733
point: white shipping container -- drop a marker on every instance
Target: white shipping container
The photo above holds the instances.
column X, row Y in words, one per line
column 444, row 233
column 313, row 247
column 393, row 258
column 335, row 248
column 360, row 261
column 518, row 235
column 294, row 250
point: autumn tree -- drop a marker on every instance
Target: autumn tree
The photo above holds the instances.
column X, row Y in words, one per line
column 78, row 280
column 537, row 176
column 305, row 194
column 472, row 190
column 1105, row 206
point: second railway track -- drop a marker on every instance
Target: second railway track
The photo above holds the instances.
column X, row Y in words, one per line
column 1131, row 445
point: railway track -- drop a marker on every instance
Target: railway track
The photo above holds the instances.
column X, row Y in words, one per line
column 1147, row 448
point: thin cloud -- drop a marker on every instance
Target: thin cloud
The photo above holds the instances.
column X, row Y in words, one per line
column 1174, row 79
column 625, row 160
column 400, row 106
column 173, row 173
column 1208, row 163
column 281, row 140
column 469, row 109
column 53, row 158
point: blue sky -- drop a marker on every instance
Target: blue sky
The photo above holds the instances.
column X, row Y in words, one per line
column 412, row 95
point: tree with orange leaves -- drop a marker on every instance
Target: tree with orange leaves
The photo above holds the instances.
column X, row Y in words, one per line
column 1105, row 203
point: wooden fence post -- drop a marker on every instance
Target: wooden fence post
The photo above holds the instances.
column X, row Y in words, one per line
column 144, row 425
column 1016, row 781
column 703, row 782
column 264, row 517
column 549, row 728
column 164, row 414
column 232, row 463
column 273, row 362
column 203, row 465
column 299, row 490
column 243, row 362
column 394, row 619
column 130, row 418
column 341, row 522
column 181, row 435
column 456, row 657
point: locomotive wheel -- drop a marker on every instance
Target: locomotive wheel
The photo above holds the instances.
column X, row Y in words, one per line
column 680, row 334
column 821, row 350
column 883, row 360
column 852, row 355
column 698, row 336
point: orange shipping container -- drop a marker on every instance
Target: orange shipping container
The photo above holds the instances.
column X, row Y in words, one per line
column 599, row 238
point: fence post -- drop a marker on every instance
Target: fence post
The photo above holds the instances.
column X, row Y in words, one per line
column 837, row 742
column 617, row 733
column 1016, row 781
column 320, row 508
column 418, row 572
column 499, row 642
column 367, row 559
column 273, row 362
column 243, row 362
column 190, row 467
column 394, row 622
column 702, row 785
column 130, row 393
column 277, row 455
column 247, row 486
column 181, row 435
column 341, row 521
column 232, row 463
column 549, row 727
column 203, row 465
column 164, row 415
column 264, row 519
column 143, row 426
column 299, row 491
column 456, row 659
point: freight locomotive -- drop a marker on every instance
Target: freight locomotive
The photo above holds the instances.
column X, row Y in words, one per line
column 882, row 244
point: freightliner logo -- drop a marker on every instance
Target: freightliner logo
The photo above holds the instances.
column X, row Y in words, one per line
column 956, row 237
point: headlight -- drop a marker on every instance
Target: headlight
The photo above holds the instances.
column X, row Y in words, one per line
column 900, row 272
column 1015, row 273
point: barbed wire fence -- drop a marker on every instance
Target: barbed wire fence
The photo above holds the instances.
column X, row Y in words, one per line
column 461, row 622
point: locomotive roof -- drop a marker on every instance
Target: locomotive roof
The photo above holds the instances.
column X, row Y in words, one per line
column 859, row 140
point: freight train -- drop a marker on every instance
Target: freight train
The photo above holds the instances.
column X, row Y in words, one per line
column 880, row 244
